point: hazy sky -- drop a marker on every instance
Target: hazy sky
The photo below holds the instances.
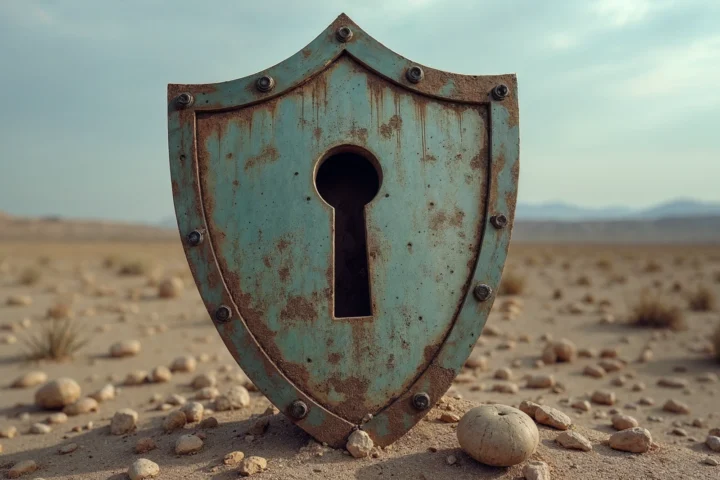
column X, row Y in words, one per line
column 619, row 99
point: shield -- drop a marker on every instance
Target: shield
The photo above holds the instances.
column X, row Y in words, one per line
column 346, row 215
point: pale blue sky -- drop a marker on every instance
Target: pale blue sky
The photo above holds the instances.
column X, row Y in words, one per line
column 619, row 99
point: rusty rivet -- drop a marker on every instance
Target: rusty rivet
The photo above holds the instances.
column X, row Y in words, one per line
column 421, row 401
column 223, row 314
column 184, row 100
column 298, row 409
column 482, row 292
column 265, row 83
column 344, row 34
column 499, row 221
column 500, row 92
column 195, row 238
column 414, row 74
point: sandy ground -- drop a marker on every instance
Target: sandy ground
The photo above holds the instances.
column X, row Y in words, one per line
column 595, row 282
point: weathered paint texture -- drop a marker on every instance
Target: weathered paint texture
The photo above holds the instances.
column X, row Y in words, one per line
column 243, row 167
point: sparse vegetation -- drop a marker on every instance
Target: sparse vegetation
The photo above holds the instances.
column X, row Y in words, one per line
column 511, row 283
column 584, row 281
column 702, row 300
column 134, row 268
column 654, row 312
column 58, row 340
column 652, row 267
column 604, row 264
column 30, row 276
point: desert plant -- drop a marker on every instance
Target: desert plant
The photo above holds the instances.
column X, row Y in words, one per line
column 653, row 312
column 652, row 267
column 584, row 281
column 604, row 264
column 511, row 284
column 702, row 300
column 30, row 276
column 134, row 268
column 57, row 340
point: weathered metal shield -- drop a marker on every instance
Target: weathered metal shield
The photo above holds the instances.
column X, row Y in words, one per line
column 266, row 247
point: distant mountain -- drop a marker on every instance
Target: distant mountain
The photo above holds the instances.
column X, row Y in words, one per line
column 568, row 212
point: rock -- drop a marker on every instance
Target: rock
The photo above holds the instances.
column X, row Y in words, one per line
column 552, row 417
column 595, row 371
column 222, row 403
column 623, row 422
column 449, row 417
column 529, row 407
column 565, row 350
column 125, row 348
column 359, row 444
column 582, row 405
column 57, row 418
column 587, row 353
column 708, row 377
column 542, row 380
column 171, row 287
column 40, row 428
column 145, row 445
column 611, row 364
column 679, row 432
column 252, row 465
column 204, row 380
column 603, row 397
column 715, row 432
column 193, row 411
column 477, row 360
column 713, row 443
column 238, row 396
column 21, row 468
column 142, row 468
column 69, row 448
column 233, row 458
column 57, row 394
column 498, row 435
column 210, row 422
column 124, row 421
column 136, row 377
column 104, row 394
column 503, row 374
column 160, row 375
column 185, row 364
column 634, row 440
column 174, row 421
column 645, row 356
column 505, row 388
column 711, row 461
column 187, row 444
column 84, row 405
column 207, row 393
column 637, row 387
column 646, row 401
column 8, row 432
column 672, row 382
column 30, row 379
column 19, row 301
column 573, row 440
column 674, row 406
column 536, row 470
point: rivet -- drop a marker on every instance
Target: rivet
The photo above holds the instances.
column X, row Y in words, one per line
column 500, row 92
column 298, row 409
column 195, row 238
column 414, row 74
column 223, row 314
column 482, row 292
column 499, row 221
column 421, row 401
column 344, row 34
column 184, row 100
column 265, row 83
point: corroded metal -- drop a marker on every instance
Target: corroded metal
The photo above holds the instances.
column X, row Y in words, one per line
column 482, row 292
column 195, row 238
column 223, row 314
column 500, row 92
column 265, row 84
column 244, row 169
column 298, row 410
column 185, row 100
column 499, row 221
column 414, row 74
column 344, row 34
column 421, row 401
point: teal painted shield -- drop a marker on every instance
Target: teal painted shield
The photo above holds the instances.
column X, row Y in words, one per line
column 346, row 215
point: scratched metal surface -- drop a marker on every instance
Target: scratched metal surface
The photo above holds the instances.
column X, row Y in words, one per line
column 449, row 158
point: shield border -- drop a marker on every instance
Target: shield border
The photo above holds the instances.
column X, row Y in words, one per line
column 400, row 416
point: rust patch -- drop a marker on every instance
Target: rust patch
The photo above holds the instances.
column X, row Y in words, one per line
column 282, row 244
column 268, row 154
column 334, row 358
column 284, row 274
column 306, row 52
column 236, row 183
column 457, row 219
column 298, row 308
column 476, row 163
column 359, row 133
column 353, row 389
column 387, row 129
column 266, row 261
column 317, row 133
column 175, row 188
column 429, row 158
column 437, row 220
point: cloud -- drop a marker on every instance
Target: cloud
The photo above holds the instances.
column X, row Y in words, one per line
column 26, row 13
column 561, row 40
column 620, row 13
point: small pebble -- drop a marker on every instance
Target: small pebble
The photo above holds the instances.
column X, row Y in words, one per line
column 252, row 465
column 188, row 444
column 634, row 440
column 142, row 469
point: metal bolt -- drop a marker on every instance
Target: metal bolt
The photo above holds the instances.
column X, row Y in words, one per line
column 421, row 401
column 298, row 409
column 482, row 292
column 223, row 314
column 414, row 74
column 184, row 100
column 344, row 34
column 499, row 221
column 195, row 238
column 265, row 83
column 500, row 92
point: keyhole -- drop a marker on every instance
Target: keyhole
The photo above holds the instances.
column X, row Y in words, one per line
column 348, row 181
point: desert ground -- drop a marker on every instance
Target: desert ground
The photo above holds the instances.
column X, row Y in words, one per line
column 584, row 298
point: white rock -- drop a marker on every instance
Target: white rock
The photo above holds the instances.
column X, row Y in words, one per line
column 136, row 377
column 713, row 443
column 536, row 470
column 552, row 417
column 252, row 465
column 623, row 422
column 204, row 380
column 635, row 440
column 142, row 468
column 174, row 421
column 125, row 348
column 359, row 444
column 84, row 405
column 573, row 440
column 186, row 364
column 160, row 375
column 124, row 421
column 57, row 393
column 40, row 428
column 30, row 379
column 188, row 444
column 238, row 396
column 193, row 411
column 105, row 393
column 21, row 468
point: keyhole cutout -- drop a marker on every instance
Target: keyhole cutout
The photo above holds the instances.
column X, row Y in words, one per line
column 348, row 181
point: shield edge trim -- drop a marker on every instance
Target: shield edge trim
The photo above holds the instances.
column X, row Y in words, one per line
column 502, row 180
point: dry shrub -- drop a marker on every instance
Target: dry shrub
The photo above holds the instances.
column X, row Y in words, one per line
column 584, row 281
column 604, row 264
column 511, row 284
column 134, row 268
column 30, row 276
column 111, row 261
column 654, row 312
column 44, row 260
column 702, row 300
column 60, row 311
column 652, row 267
column 531, row 261
column 57, row 340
